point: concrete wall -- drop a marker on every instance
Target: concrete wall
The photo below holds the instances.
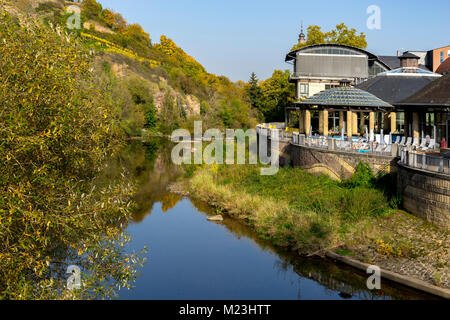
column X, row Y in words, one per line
column 425, row 194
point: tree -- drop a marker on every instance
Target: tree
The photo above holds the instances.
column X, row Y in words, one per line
column 58, row 129
column 91, row 9
column 254, row 92
column 150, row 116
column 341, row 35
column 169, row 115
column 109, row 17
column 120, row 23
column 345, row 36
column 315, row 35
column 278, row 94
column 136, row 32
column 143, row 100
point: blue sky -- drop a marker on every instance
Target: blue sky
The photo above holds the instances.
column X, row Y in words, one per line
column 234, row 38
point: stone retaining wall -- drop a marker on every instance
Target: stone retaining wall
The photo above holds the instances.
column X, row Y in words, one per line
column 337, row 164
column 425, row 194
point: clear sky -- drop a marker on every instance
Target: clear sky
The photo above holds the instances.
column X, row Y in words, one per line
column 235, row 37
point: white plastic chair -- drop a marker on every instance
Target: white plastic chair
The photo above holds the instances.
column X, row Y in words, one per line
column 378, row 138
column 423, row 144
column 409, row 142
column 379, row 148
column 431, row 145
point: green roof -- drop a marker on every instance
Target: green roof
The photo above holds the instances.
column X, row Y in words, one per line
column 345, row 97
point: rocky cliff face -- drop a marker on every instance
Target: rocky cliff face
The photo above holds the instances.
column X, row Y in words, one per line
column 158, row 85
column 120, row 66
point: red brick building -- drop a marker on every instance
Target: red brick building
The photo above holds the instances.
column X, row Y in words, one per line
column 437, row 56
column 444, row 68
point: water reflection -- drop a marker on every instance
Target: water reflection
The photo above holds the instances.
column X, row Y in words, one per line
column 350, row 283
column 192, row 258
column 152, row 171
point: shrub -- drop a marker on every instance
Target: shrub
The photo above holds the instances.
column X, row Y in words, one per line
column 91, row 9
column 363, row 176
column 361, row 202
column 50, row 6
column 57, row 127
column 108, row 17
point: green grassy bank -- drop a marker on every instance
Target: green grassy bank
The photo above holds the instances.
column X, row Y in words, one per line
column 310, row 214
column 294, row 208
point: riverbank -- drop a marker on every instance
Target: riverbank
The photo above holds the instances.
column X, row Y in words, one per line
column 314, row 215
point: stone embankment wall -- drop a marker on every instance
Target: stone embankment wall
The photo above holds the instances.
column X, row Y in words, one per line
column 338, row 165
column 425, row 194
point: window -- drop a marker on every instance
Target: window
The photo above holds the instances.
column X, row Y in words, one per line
column 441, row 54
column 375, row 69
column 329, row 86
column 400, row 122
column 304, row 89
column 428, row 124
column 333, row 122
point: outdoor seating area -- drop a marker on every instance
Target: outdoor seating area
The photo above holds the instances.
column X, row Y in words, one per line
column 419, row 153
column 355, row 145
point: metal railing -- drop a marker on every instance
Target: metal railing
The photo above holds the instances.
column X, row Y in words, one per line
column 417, row 160
column 270, row 129
column 334, row 144
column 408, row 155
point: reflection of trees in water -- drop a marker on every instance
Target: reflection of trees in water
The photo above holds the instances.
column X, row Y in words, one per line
column 349, row 281
column 93, row 241
column 345, row 280
column 152, row 169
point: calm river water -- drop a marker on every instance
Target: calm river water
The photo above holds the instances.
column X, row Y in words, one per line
column 192, row 258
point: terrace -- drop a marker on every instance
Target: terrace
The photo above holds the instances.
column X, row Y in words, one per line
column 425, row 156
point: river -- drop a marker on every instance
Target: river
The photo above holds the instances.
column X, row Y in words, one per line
column 190, row 257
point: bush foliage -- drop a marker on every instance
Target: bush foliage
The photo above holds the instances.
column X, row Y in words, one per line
column 292, row 208
column 58, row 124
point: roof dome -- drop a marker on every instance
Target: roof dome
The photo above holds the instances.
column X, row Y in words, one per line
column 345, row 96
column 409, row 72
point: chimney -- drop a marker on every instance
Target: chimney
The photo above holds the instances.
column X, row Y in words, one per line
column 399, row 53
column 409, row 60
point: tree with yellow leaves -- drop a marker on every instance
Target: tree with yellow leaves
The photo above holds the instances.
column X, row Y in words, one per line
column 341, row 35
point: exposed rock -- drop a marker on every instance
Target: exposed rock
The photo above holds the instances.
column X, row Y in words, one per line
column 193, row 105
column 97, row 27
column 120, row 70
column 36, row 3
column 216, row 218
column 158, row 100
